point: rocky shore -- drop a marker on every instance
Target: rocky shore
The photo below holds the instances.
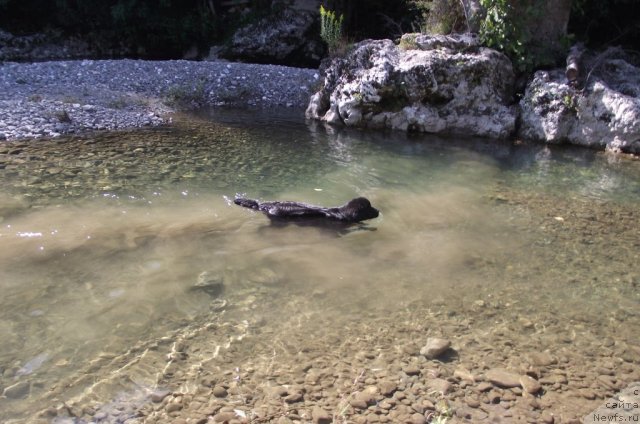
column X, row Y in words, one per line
column 434, row 84
column 48, row 99
column 454, row 85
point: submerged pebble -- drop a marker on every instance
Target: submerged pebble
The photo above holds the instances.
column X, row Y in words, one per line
column 529, row 384
column 503, row 378
column 158, row 396
column 17, row 390
column 219, row 391
column 435, row 347
column 210, row 283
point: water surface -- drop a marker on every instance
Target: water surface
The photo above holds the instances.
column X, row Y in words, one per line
column 106, row 242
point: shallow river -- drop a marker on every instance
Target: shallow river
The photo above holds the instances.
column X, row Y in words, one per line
column 125, row 268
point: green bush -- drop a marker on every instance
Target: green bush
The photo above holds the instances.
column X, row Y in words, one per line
column 331, row 28
column 375, row 18
column 505, row 30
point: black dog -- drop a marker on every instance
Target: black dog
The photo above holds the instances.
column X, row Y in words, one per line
column 356, row 210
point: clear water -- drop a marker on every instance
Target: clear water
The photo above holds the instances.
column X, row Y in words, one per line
column 103, row 238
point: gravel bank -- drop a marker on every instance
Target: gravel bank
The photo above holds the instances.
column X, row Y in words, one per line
column 48, row 99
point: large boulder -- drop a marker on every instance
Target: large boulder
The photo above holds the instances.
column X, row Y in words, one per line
column 435, row 84
column 287, row 37
column 604, row 114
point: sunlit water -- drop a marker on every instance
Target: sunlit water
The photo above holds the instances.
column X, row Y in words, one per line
column 103, row 239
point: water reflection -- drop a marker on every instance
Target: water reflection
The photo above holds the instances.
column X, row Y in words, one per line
column 132, row 240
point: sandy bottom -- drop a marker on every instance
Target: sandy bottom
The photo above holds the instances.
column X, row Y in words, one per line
column 177, row 306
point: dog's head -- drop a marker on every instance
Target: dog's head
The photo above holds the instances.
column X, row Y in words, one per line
column 359, row 209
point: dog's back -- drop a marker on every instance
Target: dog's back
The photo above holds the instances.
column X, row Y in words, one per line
column 356, row 210
column 247, row 203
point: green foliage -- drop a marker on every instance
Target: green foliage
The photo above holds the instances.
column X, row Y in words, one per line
column 331, row 28
column 505, row 29
column 186, row 96
column 375, row 18
column 510, row 25
column 570, row 102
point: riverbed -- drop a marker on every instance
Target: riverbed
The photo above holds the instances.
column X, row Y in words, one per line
column 135, row 291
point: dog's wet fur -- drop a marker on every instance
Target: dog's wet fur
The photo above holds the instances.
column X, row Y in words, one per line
column 354, row 211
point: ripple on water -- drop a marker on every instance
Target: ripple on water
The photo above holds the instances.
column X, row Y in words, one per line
column 129, row 270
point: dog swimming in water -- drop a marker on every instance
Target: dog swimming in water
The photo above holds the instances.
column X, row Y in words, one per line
column 356, row 210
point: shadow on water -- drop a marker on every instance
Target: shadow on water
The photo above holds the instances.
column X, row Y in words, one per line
column 103, row 239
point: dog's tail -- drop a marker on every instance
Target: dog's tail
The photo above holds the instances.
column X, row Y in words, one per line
column 247, row 203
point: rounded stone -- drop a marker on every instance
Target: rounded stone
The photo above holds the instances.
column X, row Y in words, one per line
column 529, row 384
column 439, row 385
column 219, row 392
column 503, row 378
column 223, row 417
column 547, row 417
column 320, row 416
column 484, row 387
column 416, row 419
column 435, row 347
column 17, row 391
column 541, row 359
column 158, row 395
column 472, row 402
column 387, row 387
column 294, row 397
column 358, row 404
column 412, row 370
column 173, row 407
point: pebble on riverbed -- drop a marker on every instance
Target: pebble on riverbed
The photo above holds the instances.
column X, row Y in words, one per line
column 209, row 282
column 158, row 395
column 219, row 392
column 529, row 384
column 503, row 378
column 435, row 347
column 17, row 390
